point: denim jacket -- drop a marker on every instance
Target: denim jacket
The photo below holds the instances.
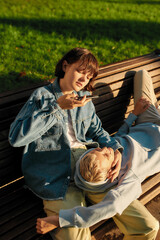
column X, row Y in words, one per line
column 41, row 127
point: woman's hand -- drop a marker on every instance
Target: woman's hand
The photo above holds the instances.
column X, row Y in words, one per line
column 141, row 106
column 68, row 101
column 116, row 166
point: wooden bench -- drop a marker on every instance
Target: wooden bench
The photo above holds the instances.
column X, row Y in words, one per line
column 19, row 208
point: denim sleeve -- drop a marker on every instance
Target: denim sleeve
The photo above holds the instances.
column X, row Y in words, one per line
column 98, row 134
column 38, row 114
column 124, row 129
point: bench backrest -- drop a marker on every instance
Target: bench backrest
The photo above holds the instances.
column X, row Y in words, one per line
column 114, row 85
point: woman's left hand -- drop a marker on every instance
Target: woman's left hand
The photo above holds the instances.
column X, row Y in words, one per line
column 116, row 166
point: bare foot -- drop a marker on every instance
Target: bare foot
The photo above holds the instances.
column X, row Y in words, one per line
column 47, row 224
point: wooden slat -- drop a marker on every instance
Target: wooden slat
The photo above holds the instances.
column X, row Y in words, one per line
column 9, row 174
column 19, row 213
column 18, row 96
column 25, row 226
column 156, row 78
column 112, row 127
column 31, row 234
column 150, row 182
column 104, row 103
column 8, row 199
column 11, row 187
column 16, row 208
column 117, row 93
column 100, row 230
column 126, row 82
column 122, row 75
column 154, row 72
column 10, row 164
column 20, row 210
column 6, row 161
column 4, row 145
column 148, row 196
column 25, row 216
column 130, row 63
column 12, row 110
column 112, row 102
column 6, row 153
column 5, row 124
column 23, row 89
column 104, row 108
column 109, row 111
column 4, row 134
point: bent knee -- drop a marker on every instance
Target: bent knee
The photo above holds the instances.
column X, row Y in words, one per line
column 156, row 226
column 153, row 229
column 149, row 232
column 141, row 73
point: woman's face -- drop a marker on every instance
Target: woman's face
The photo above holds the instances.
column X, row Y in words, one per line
column 74, row 79
column 105, row 156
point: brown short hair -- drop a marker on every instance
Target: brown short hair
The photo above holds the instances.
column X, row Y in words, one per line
column 90, row 169
column 88, row 63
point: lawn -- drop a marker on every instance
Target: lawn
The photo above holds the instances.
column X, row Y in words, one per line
column 34, row 34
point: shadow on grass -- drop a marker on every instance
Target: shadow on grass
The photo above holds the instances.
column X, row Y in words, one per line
column 124, row 30
column 133, row 1
column 18, row 81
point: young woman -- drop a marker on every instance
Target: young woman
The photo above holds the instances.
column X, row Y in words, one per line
column 56, row 128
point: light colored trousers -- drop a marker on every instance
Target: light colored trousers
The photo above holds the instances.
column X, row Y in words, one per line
column 136, row 222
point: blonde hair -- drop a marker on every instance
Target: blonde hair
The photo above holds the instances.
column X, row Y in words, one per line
column 90, row 169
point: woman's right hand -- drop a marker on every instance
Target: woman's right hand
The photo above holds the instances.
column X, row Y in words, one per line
column 68, row 101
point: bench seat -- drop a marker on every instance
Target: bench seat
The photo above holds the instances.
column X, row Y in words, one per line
column 19, row 207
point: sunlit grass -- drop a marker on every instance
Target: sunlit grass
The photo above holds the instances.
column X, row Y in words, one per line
column 34, row 34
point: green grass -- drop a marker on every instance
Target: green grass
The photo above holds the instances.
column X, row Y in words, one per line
column 34, row 34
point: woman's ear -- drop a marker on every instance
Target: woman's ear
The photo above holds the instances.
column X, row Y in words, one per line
column 64, row 65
